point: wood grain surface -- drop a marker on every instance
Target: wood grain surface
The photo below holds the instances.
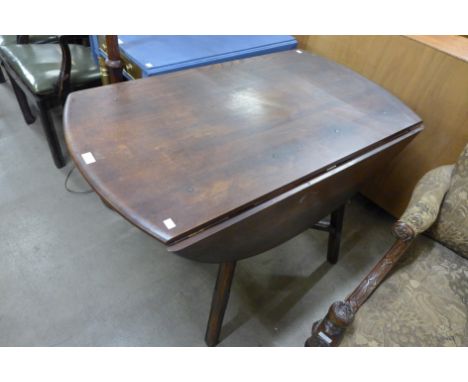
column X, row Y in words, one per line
column 203, row 145
column 279, row 219
column 430, row 75
column 456, row 46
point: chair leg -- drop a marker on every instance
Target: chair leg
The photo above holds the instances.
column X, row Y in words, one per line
column 331, row 329
column 2, row 76
column 219, row 302
column 334, row 238
column 28, row 116
column 51, row 135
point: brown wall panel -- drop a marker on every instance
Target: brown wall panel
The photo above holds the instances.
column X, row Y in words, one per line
column 431, row 76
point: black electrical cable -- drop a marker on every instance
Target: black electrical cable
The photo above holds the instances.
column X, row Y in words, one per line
column 74, row 191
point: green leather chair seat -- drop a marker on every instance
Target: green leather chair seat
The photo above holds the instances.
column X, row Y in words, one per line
column 9, row 39
column 39, row 65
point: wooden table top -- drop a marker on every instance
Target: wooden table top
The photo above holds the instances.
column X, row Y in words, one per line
column 177, row 153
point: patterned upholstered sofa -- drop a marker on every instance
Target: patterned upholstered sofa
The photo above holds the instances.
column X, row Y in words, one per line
column 438, row 208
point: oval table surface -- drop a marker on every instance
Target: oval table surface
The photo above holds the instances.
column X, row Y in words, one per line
column 177, row 153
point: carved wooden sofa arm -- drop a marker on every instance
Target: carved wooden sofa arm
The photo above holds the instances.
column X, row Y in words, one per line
column 421, row 213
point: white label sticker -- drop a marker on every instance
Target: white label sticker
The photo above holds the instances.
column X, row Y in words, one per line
column 298, row 51
column 169, row 223
column 325, row 337
column 120, row 41
column 88, row 158
column 149, row 65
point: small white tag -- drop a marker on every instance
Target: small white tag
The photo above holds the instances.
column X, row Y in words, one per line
column 169, row 223
column 88, row 158
column 149, row 65
column 298, row 51
column 120, row 41
column 325, row 337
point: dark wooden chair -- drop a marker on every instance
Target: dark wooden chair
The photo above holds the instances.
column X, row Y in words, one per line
column 45, row 74
column 23, row 39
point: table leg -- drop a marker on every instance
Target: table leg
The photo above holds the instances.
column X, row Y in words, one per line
column 219, row 302
column 334, row 238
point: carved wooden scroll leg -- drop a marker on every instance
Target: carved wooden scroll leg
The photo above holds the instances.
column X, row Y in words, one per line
column 334, row 238
column 330, row 330
column 219, row 302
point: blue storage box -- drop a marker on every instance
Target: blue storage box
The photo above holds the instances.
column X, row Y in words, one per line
column 154, row 55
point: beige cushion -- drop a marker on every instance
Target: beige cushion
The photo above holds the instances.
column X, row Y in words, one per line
column 451, row 227
column 423, row 208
